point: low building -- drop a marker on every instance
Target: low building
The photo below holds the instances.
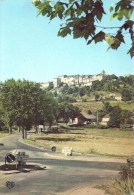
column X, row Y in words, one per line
column 83, row 118
column 105, row 119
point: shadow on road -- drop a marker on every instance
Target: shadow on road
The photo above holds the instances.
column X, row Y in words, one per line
column 21, row 168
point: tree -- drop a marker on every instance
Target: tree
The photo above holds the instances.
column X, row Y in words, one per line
column 70, row 90
column 126, row 94
column 9, row 102
column 82, row 18
column 73, row 111
column 97, row 85
column 107, row 108
column 65, row 98
column 97, row 96
column 50, row 106
column 126, row 118
column 89, row 112
column 25, row 104
column 51, row 86
column 82, row 92
column 66, row 111
column 115, row 117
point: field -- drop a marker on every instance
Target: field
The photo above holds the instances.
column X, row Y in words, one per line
column 94, row 106
column 89, row 141
column 3, row 134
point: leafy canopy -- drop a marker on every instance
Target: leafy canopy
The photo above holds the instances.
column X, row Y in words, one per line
column 80, row 18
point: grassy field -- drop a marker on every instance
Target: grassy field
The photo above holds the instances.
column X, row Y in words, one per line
column 3, row 134
column 94, row 106
column 89, row 141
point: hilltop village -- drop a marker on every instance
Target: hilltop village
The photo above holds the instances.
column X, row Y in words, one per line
column 75, row 80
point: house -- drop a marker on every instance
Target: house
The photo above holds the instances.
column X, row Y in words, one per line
column 105, row 119
column 89, row 118
column 83, row 118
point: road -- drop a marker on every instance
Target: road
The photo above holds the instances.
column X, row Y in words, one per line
column 59, row 176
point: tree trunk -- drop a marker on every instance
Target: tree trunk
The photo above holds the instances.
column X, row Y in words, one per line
column 36, row 129
column 19, row 129
column 10, row 130
column 23, row 133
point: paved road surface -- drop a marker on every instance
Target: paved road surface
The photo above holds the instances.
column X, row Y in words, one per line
column 59, row 176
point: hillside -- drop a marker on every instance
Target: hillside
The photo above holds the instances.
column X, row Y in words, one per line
column 94, row 106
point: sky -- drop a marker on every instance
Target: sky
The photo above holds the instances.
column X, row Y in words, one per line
column 30, row 48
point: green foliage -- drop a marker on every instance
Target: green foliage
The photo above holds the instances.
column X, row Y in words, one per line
column 97, row 85
column 82, row 91
column 51, row 86
column 25, row 104
column 126, row 94
column 65, row 98
column 66, row 111
column 81, row 18
column 107, row 108
column 97, row 96
column 115, row 117
column 120, row 118
column 126, row 119
column 125, row 184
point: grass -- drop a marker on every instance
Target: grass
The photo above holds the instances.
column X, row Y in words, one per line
column 2, row 134
column 94, row 106
column 89, row 141
column 118, row 187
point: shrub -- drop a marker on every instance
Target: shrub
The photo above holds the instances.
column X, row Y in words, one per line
column 102, row 126
column 125, row 184
column 84, row 100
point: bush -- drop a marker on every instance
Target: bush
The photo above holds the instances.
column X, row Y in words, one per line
column 126, row 182
column 102, row 126
column 94, row 126
column 4, row 128
column 84, row 100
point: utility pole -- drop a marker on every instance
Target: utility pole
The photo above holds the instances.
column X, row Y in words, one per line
column 97, row 118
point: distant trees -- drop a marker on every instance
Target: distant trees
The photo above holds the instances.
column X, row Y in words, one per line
column 118, row 117
column 107, row 108
column 51, row 86
column 82, row 91
column 97, row 85
column 97, row 96
column 126, row 119
column 110, row 83
column 65, row 98
column 126, row 94
column 66, row 111
column 115, row 117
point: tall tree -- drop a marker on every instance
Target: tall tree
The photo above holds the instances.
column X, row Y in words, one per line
column 83, row 18
column 9, row 102
column 126, row 94
column 126, row 119
column 115, row 117
column 25, row 104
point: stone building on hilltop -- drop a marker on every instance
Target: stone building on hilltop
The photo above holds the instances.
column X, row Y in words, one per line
column 76, row 80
